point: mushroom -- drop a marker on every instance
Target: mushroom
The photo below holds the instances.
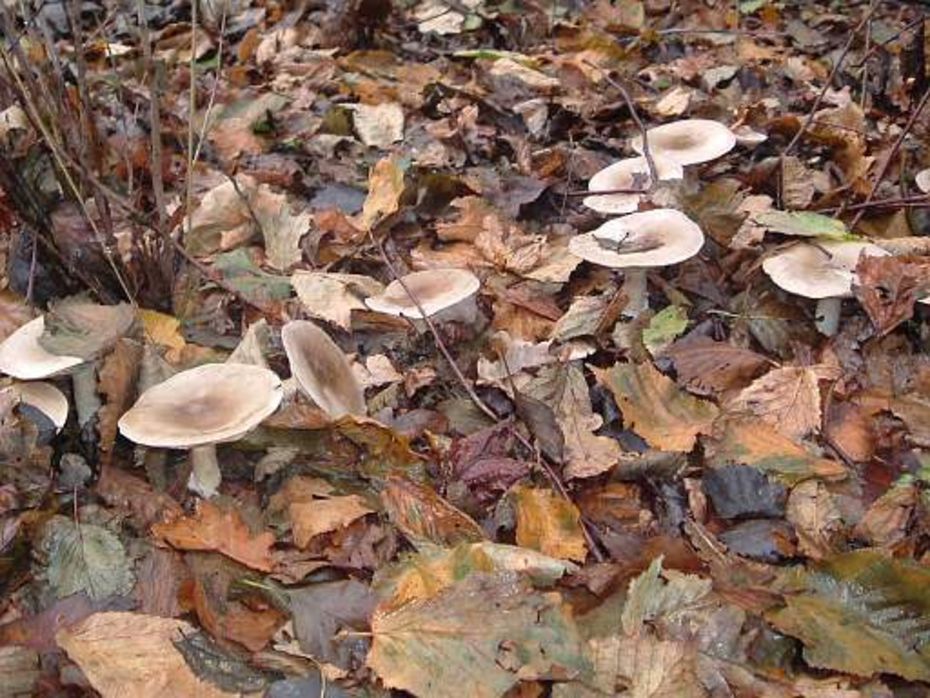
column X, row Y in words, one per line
column 627, row 174
column 654, row 238
column 443, row 294
column 748, row 137
column 199, row 408
column 22, row 357
column 922, row 180
column 688, row 142
column 44, row 397
column 824, row 271
column 321, row 369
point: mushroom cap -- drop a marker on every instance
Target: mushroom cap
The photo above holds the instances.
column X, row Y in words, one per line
column 322, row 371
column 22, row 357
column 922, row 180
column 435, row 289
column 623, row 175
column 654, row 238
column 748, row 137
column 688, row 142
column 208, row 404
column 824, row 270
column 44, row 397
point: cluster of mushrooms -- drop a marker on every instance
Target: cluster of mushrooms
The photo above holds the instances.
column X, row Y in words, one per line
column 214, row 403
column 659, row 237
column 820, row 269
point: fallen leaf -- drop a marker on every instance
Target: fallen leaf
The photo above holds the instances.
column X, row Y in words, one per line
column 133, row 654
column 741, row 491
column 664, row 327
column 888, row 287
column 646, row 666
column 165, row 331
column 20, row 671
column 861, row 613
column 750, row 442
column 385, row 189
column 764, row 540
column 818, row 522
column 311, row 518
column 888, row 519
column 423, row 516
column 380, row 125
column 787, row 398
column 241, row 272
column 117, row 382
column 802, row 224
column 651, row 598
column 707, row 367
column 14, row 313
column 281, row 227
column 333, row 297
column 222, row 221
column 212, row 528
column 77, row 327
column 477, row 638
column 145, row 504
column 655, row 408
column 549, row 523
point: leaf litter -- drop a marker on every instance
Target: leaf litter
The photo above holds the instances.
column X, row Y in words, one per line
column 609, row 475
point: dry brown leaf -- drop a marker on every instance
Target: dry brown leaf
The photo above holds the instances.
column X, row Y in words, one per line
column 311, row 518
column 470, row 221
column 385, row 189
column 333, row 297
column 655, row 408
column 549, row 524
column 787, row 398
column 888, row 518
column 212, row 528
column 422, row 515
column 14, row 313
column 131, row 654
column 849, row 428
column 816, row 517
column 707, row 367
column 888, row 287
column 117, row 384
column 281, row 227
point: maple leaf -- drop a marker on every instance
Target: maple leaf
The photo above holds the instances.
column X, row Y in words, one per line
column 656, row 408
column 211, row 528
column 787, row 398
column 888, row 287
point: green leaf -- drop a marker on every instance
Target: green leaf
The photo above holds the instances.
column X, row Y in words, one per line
column 803, row 223
column 477, row 638
column 84, row 558
column 77, row 327
column 863, row 613
column 240, row 272
column 664, row 328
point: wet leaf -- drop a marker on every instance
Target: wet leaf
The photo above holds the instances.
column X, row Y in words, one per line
column 134, row 654
column 549, row 523
column 431, row 648
column 650, row 597
column 212, row 528
column 423, row 516
column 740, row 491
column 655, row 408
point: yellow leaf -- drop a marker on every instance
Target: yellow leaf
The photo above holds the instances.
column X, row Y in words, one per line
column 164, row 330
column 549, row 523
column 385, row 188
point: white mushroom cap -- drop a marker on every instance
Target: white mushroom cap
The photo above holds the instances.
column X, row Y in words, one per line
column 205, row 405
column 44, row 397
column 654, row 238
column 748, row 137
column 322, row 371
column 688, row 142
column 627, row 174
column 922, row 180
column 21, row 355
column 824, row 270
column 435, row 289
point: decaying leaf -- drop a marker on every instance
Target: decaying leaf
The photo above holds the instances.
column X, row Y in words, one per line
column 708, row 367
column 424, row 516
column 549, row 523
column 311, row 518
column 888, row 287
column 117, row 381
column 816, row 517
column 281, row 227
column 133, row 654
column 476, row 638
column 212, row 528
column 333, row 297
column 385, row 189
column 655, row 408
column 77, row 327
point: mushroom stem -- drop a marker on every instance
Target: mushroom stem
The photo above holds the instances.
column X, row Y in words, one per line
column 827, row 319
column 205, row 476
column 637, row 293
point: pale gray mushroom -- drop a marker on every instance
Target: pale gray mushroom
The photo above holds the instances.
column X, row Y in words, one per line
column 44, row 397
column 688, row 142
column 322, row 371
column 922, row 180
column 199, row 408
column 22, row 357
column 824, row 271
column 627, row 174
column 443, row 294
column 656, row 238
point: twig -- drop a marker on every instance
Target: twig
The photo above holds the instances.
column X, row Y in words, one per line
column 885, row 42
column 917, row 201
column 888, row 160
column 817, row 102
column 605, row 192
column 158, row 185
column 647, row 154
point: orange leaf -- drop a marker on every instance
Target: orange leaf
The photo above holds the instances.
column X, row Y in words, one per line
column 212, row 528
column 549, row 523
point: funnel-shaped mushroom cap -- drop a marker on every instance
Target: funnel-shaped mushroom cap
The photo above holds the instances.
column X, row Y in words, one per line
column 44, row 397
column 321, row 369
column 922, row 180
column 208, row 404
column 654, row 238
column 688, row 142
column 21, row 355
column 824, row 270
column 435, row 289
column 627, row 174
